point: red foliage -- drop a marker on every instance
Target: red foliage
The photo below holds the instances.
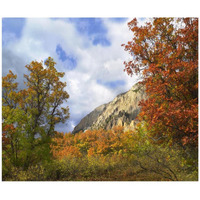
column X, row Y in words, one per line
column 7, row 131
column 165, row 52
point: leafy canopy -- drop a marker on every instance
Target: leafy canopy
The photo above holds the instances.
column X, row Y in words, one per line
column 165, row 53
column 30, row 115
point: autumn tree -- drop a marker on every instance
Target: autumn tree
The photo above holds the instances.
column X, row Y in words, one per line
column 33, row 112
column 12, row 117
column 165, row 52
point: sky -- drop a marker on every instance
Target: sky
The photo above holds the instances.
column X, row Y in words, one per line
column 88, row 50
column 16, row 55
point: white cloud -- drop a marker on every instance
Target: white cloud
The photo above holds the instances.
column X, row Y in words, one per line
column 39, row 40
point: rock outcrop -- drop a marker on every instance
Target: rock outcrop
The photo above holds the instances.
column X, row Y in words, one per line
column 122, row 111
column 89, row 119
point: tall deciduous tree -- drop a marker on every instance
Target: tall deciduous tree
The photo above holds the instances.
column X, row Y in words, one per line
column 165, row 52
column 33, row 112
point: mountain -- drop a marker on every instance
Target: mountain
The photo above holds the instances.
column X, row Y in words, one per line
column 89, row 119
column 122, row 111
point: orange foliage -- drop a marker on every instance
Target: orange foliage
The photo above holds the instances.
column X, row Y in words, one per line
column 34, row 111
column 166, row 55
column 7, row 131
column 91, row 143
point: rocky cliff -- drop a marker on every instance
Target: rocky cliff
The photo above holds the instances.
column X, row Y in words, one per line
column 121, row 111
column 89, row 119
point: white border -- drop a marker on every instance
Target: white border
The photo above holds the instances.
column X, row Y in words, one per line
column 98, row 190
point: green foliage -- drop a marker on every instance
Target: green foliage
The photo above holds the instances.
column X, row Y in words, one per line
column 164, row 145
column 33, row 173
column 120, row 155
column 29, row 116
column 164, row 158
column 132, row 157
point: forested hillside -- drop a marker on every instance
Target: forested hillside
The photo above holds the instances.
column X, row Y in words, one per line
column 149, row 133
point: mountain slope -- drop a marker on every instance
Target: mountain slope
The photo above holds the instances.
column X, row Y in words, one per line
column 89, row 119
column 121, row 111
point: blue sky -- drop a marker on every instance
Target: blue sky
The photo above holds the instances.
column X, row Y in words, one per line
column 112, row 84
column 88, row 50
column 12, row 27
column 63, row 56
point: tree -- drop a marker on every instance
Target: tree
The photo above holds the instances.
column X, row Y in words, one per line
column 13, row 117
column 165, row 52
column 33, row 112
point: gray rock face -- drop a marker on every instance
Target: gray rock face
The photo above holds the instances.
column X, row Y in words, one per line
column 88, row 120
column 122, row 111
